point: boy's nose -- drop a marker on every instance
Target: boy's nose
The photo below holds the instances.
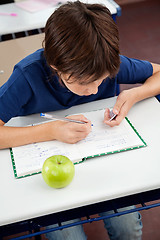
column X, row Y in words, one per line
column 93, row 90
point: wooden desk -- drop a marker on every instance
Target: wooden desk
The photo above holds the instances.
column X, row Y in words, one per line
column 13, row 51
column 26, row 21
column 96, row 180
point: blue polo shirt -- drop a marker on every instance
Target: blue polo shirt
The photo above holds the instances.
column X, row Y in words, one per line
column 32, row 87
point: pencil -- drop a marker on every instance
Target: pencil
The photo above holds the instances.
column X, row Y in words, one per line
column 49, row 116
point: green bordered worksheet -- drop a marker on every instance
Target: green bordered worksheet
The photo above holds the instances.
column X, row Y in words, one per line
column 103, row 140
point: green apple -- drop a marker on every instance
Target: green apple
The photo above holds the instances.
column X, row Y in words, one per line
column 58, row 171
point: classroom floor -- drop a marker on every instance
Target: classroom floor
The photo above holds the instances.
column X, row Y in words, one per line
column 139, row 28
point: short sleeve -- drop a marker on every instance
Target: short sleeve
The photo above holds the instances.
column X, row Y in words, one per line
column 14, row 94
column 133, row 71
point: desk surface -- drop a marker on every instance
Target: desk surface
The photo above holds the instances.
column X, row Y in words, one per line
column 26, row 21
column 95, row 180
column 13, row 51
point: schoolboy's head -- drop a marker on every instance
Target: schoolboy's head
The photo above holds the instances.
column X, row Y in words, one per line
column 82, row 42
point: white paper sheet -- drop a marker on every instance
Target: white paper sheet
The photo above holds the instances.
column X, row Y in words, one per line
column 102, row 139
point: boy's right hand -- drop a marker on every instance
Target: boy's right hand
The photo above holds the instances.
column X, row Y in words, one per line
column 70, row 132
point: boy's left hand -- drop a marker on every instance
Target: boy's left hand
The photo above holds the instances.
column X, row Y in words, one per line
column 124, row 102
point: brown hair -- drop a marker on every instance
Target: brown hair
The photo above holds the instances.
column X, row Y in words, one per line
column 82, row 40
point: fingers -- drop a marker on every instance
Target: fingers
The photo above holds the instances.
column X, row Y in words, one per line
column 109, row 116
column 76, row 137
column 116, row 121
column 120, row 108
column 74, row 132
column 79, row 118
column 81, row 127
column 106, row 115
column 124, row 102
column 118, row 105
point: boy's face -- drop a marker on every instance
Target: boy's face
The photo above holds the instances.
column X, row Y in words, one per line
column 82, row 89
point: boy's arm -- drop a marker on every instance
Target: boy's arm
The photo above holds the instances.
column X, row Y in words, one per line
column 63, row 131
column 151, row 86
column 128, row 98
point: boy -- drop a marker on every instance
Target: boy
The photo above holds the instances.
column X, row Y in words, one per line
column 80, row 63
